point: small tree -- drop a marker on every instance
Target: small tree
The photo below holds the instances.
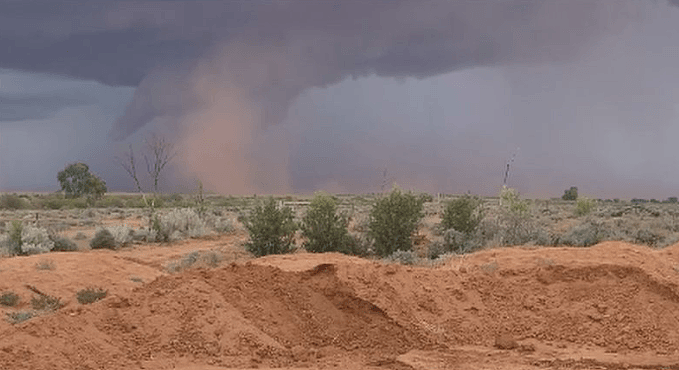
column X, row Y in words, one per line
column 514, row 219
column 393, row 220
column 570, row 194
column 76, row 180
column 511, row 202
column 325, row 229
column 462, row 214
column 584, row 206
column 271, row 229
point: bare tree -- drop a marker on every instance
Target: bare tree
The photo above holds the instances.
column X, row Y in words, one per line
column 128, row 164
column 162, row 152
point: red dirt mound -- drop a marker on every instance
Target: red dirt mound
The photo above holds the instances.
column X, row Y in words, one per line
column 609, row 306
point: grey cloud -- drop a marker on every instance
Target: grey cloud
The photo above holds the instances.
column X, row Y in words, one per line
column 122, row 43
column 36, row 106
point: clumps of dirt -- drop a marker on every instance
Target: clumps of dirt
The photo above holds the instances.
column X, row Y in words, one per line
column 240, row 315
column 301, row 310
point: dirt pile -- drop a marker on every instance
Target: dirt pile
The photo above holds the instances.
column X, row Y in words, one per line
column 318, row 310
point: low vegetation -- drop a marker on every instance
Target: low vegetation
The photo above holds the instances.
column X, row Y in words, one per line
column 9, row 299
column 398, row 225
column 271, row 228
column 324, row 228
column 103, row 239
column 394, row 218
column 210, row 259
column 463, row 214
column 90, row 295
column 43, row 302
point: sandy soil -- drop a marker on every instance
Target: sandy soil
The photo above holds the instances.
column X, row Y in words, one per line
column 612, row 306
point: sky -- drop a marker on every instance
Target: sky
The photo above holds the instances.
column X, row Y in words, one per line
column 295, row 96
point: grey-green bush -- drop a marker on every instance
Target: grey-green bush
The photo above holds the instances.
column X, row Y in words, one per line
column 324, row 228
column 62, row 244
column 403, row 257
column 35, row 240
column 393, row 220
column 583, row 234
column 90, row 295
column 46, row 303
column 271, row 229
column 9, row 299
column 103, row 239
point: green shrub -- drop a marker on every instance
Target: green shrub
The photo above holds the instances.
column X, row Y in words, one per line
column 12, row 202
column 511, row 202
column 103, row 239
column 9, row 299
column 393, row 220
column 271, row 229
column 90, row 295
column 14, row 240
column 584, row 206
column 570, row 194
column 463, row 214
column 324, row 228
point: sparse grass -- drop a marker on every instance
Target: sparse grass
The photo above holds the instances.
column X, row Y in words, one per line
column 136, row 279
column 20, row 316
column 489, row 267
column 90, row 295
column 196, row 258
column 45, row 264
column 45, row 303
column 9, row 299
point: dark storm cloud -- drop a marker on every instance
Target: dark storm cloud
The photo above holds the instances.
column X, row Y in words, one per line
column 36, row 106
column 122, row 43
column 116, row 43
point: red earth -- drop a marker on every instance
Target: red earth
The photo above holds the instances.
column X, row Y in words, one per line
column 611, row 306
